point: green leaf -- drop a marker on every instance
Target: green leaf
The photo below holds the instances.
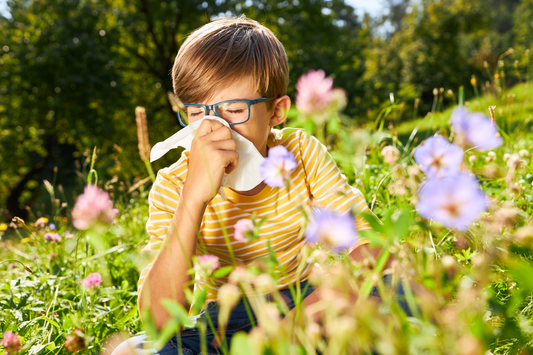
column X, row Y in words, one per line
column 199, row 301
column 50, row 321
column 177, row 311
column 521, row 271
column 240, row 344
column 333, row 125
column 374, row 222
column 149, row 325
column 169, row 329
column 375, row 239
column 223, row 271
column 401, row 227
column 127, row 317
column 67, row 324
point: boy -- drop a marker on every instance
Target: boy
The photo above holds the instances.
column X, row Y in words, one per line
column 233, row 59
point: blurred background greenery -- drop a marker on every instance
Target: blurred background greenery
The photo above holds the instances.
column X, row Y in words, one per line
column 73, row 71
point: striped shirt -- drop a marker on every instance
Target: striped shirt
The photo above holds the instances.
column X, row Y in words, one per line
column 317, row 180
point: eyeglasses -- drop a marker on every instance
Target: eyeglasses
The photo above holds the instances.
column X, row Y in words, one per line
column 233, row 111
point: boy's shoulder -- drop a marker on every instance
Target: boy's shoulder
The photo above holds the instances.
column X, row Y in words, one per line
column 177, row 172
column 290, row 137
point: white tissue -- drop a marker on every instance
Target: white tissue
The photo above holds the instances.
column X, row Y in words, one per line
column 245, row 177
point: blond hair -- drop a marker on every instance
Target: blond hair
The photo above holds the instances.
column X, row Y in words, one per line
column 224, row 51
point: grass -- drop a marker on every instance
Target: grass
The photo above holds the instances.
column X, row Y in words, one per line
column 514, row 113
column 479, row 300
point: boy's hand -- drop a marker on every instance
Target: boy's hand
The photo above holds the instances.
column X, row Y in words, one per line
column 213, row 153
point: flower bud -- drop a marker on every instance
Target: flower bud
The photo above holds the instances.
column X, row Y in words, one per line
column 390, row 154
column 449, row 264
column 75, row 342
column 228, row 295
column 40, row 222
column 507, row 216
column 264, row 283
column 206, row 264
column 413, row 170
column 11, row 342
column 242, row 228
column 491, row 156
column 525, row 235
column 313, row 332
column 514, row 161
column 18, row 221
column 523, row 153
column 239, row 274
column 92, row 281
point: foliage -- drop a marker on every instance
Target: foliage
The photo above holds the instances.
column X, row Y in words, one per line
column 72, row 71
column 467, row 290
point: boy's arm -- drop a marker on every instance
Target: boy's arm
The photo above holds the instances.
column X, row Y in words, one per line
column 167, row 277
column 212, row 154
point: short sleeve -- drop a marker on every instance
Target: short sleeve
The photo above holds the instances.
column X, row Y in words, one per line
column 329, row 187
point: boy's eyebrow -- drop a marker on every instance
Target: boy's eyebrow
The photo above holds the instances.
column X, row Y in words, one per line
column 222, row 100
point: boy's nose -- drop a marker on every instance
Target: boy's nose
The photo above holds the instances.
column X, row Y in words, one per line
column 211, row 112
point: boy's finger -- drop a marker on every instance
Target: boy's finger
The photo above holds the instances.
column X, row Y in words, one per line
column 227, row 144
column 208, row 126
column 219, row 134
column 233, row 161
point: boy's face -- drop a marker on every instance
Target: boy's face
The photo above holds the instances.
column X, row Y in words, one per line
column 257, row 128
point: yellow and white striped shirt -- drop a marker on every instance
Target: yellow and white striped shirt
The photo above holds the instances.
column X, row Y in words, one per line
column 316, row 178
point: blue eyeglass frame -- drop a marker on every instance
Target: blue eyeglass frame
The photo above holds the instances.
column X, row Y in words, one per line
column 212, row 107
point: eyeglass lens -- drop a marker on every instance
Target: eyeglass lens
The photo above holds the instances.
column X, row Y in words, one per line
column 232, row 112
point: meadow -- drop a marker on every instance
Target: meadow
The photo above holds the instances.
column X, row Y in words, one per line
column 458, row 228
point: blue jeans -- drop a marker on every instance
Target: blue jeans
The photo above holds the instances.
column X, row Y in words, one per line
column 190, row 339
column 238, row 321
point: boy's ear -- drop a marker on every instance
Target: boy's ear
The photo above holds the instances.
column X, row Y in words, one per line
column 280, row 110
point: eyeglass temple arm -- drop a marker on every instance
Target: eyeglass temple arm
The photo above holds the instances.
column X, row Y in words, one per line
column 262, row 99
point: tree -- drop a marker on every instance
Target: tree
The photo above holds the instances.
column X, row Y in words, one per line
column 74, row 70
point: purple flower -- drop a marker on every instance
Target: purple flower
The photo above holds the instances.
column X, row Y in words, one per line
column 207, row 263
column 277, row 167
column 93, row 207
column 314, row 91
column 92, row 281
column 242, row 227
column 454, row 201
column 331, row 228
column 11, row 342
column 52, row 226
column 476, row 129
column 438, row 158
column 52, row 237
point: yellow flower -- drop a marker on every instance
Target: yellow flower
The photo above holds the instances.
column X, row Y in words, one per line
column 473, row 81
column 3, row 227
column 496, row 76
